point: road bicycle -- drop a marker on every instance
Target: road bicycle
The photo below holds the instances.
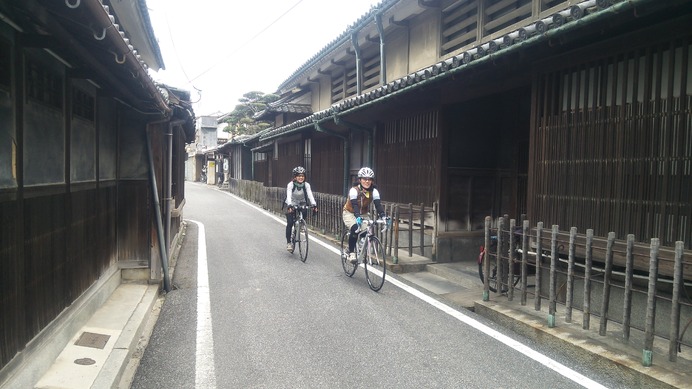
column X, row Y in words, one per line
column 369, row 251
column 299, row 233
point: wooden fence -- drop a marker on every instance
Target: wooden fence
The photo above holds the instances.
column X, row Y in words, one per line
column 652, row 283
column 414, row 228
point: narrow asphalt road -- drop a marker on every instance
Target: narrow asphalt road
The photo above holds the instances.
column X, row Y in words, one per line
column 244, row 313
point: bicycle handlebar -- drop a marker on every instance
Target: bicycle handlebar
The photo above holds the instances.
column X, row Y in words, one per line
column 365, row 224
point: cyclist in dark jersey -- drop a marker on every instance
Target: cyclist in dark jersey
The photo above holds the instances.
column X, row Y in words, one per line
column 360, row 196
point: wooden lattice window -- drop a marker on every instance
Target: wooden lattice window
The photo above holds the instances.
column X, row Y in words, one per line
column 499, row 14
column 351, row 81
column 371, row 71
column 459, row 25
column 82, row 104
column 5, row 65
column 43, row 85
column 338, row 84
column 412, row 128
column 548, row 4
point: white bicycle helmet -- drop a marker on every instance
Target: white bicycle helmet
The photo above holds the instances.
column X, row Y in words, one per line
column 366, row 172
column 298, row 170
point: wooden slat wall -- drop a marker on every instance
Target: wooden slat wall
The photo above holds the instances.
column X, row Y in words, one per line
column 612, row 145
column 46, row 266
column 134, row 220
column 327, row 170
column 108, row 254
column 290, row 156
column 261, row 172
column 68, row 240
column 13, row 331
column 407, row 159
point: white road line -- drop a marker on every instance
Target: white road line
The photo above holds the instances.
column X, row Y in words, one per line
column 529, row 352
column 205, row 376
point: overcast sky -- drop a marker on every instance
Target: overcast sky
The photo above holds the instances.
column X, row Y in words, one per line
column 226, row 48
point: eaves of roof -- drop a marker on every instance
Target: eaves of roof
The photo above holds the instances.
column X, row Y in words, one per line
column 344, row 37
column 134, row 16
column 284, row 108
column 458, row 64
column 86, row 33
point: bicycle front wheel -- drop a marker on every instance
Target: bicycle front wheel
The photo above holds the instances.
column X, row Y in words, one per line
column 375, row 265
column 349, row 268
column 302, row 240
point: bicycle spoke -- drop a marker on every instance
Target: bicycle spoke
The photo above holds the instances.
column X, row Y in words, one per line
column 302, row 237
column 375, row 265
column 349, row 268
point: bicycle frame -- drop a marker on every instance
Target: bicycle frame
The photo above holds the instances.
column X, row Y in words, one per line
column 366, row 232
column 300, row 225
column 369, row 251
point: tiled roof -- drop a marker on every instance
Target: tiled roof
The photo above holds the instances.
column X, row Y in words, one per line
column 521, row 38
column 284, row 108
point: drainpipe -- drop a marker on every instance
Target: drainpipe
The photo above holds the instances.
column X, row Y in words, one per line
column 368, row 132
column 359, row 65
column 347, row 153
column 383, row 61
column 168, row 190
column 163, row 250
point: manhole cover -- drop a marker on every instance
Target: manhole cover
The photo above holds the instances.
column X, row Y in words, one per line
column 90, row 339
column 84, row 361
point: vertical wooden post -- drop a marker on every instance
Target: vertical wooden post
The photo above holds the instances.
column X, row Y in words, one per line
column 570, row 274
column 605, row 300
column 629, row 273
column 422, row 229
column 524, row 259
column 649, row 329
column 410, row 229
column 510, row 254
column 675, row 304
column 434, row 232
column 395, row 258
column 539, row 257
column 588, row 263
column 498, row 259
column 552, row 306
column 486, row 260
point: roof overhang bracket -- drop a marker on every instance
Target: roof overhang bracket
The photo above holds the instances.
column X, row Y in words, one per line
column 429, row 4
column 399, row 23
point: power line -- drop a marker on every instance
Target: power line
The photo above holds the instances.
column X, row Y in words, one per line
column 246, row 42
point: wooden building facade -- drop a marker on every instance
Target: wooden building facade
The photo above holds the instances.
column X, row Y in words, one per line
column 86, row 137
column 573, row 113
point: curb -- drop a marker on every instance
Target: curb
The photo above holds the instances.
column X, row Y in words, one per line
column 601, row 355
column 112, row 371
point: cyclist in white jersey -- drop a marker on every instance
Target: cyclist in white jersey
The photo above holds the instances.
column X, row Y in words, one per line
column 297, row 191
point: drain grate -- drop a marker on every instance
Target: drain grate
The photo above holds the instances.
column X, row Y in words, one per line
column 90, row 339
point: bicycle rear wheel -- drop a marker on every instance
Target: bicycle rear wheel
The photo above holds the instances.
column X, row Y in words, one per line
column 302, row 240
column 349, row 268
column 375, row 265
column 492, row 275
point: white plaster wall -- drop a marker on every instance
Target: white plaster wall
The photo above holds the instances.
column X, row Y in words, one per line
column 424, row 40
